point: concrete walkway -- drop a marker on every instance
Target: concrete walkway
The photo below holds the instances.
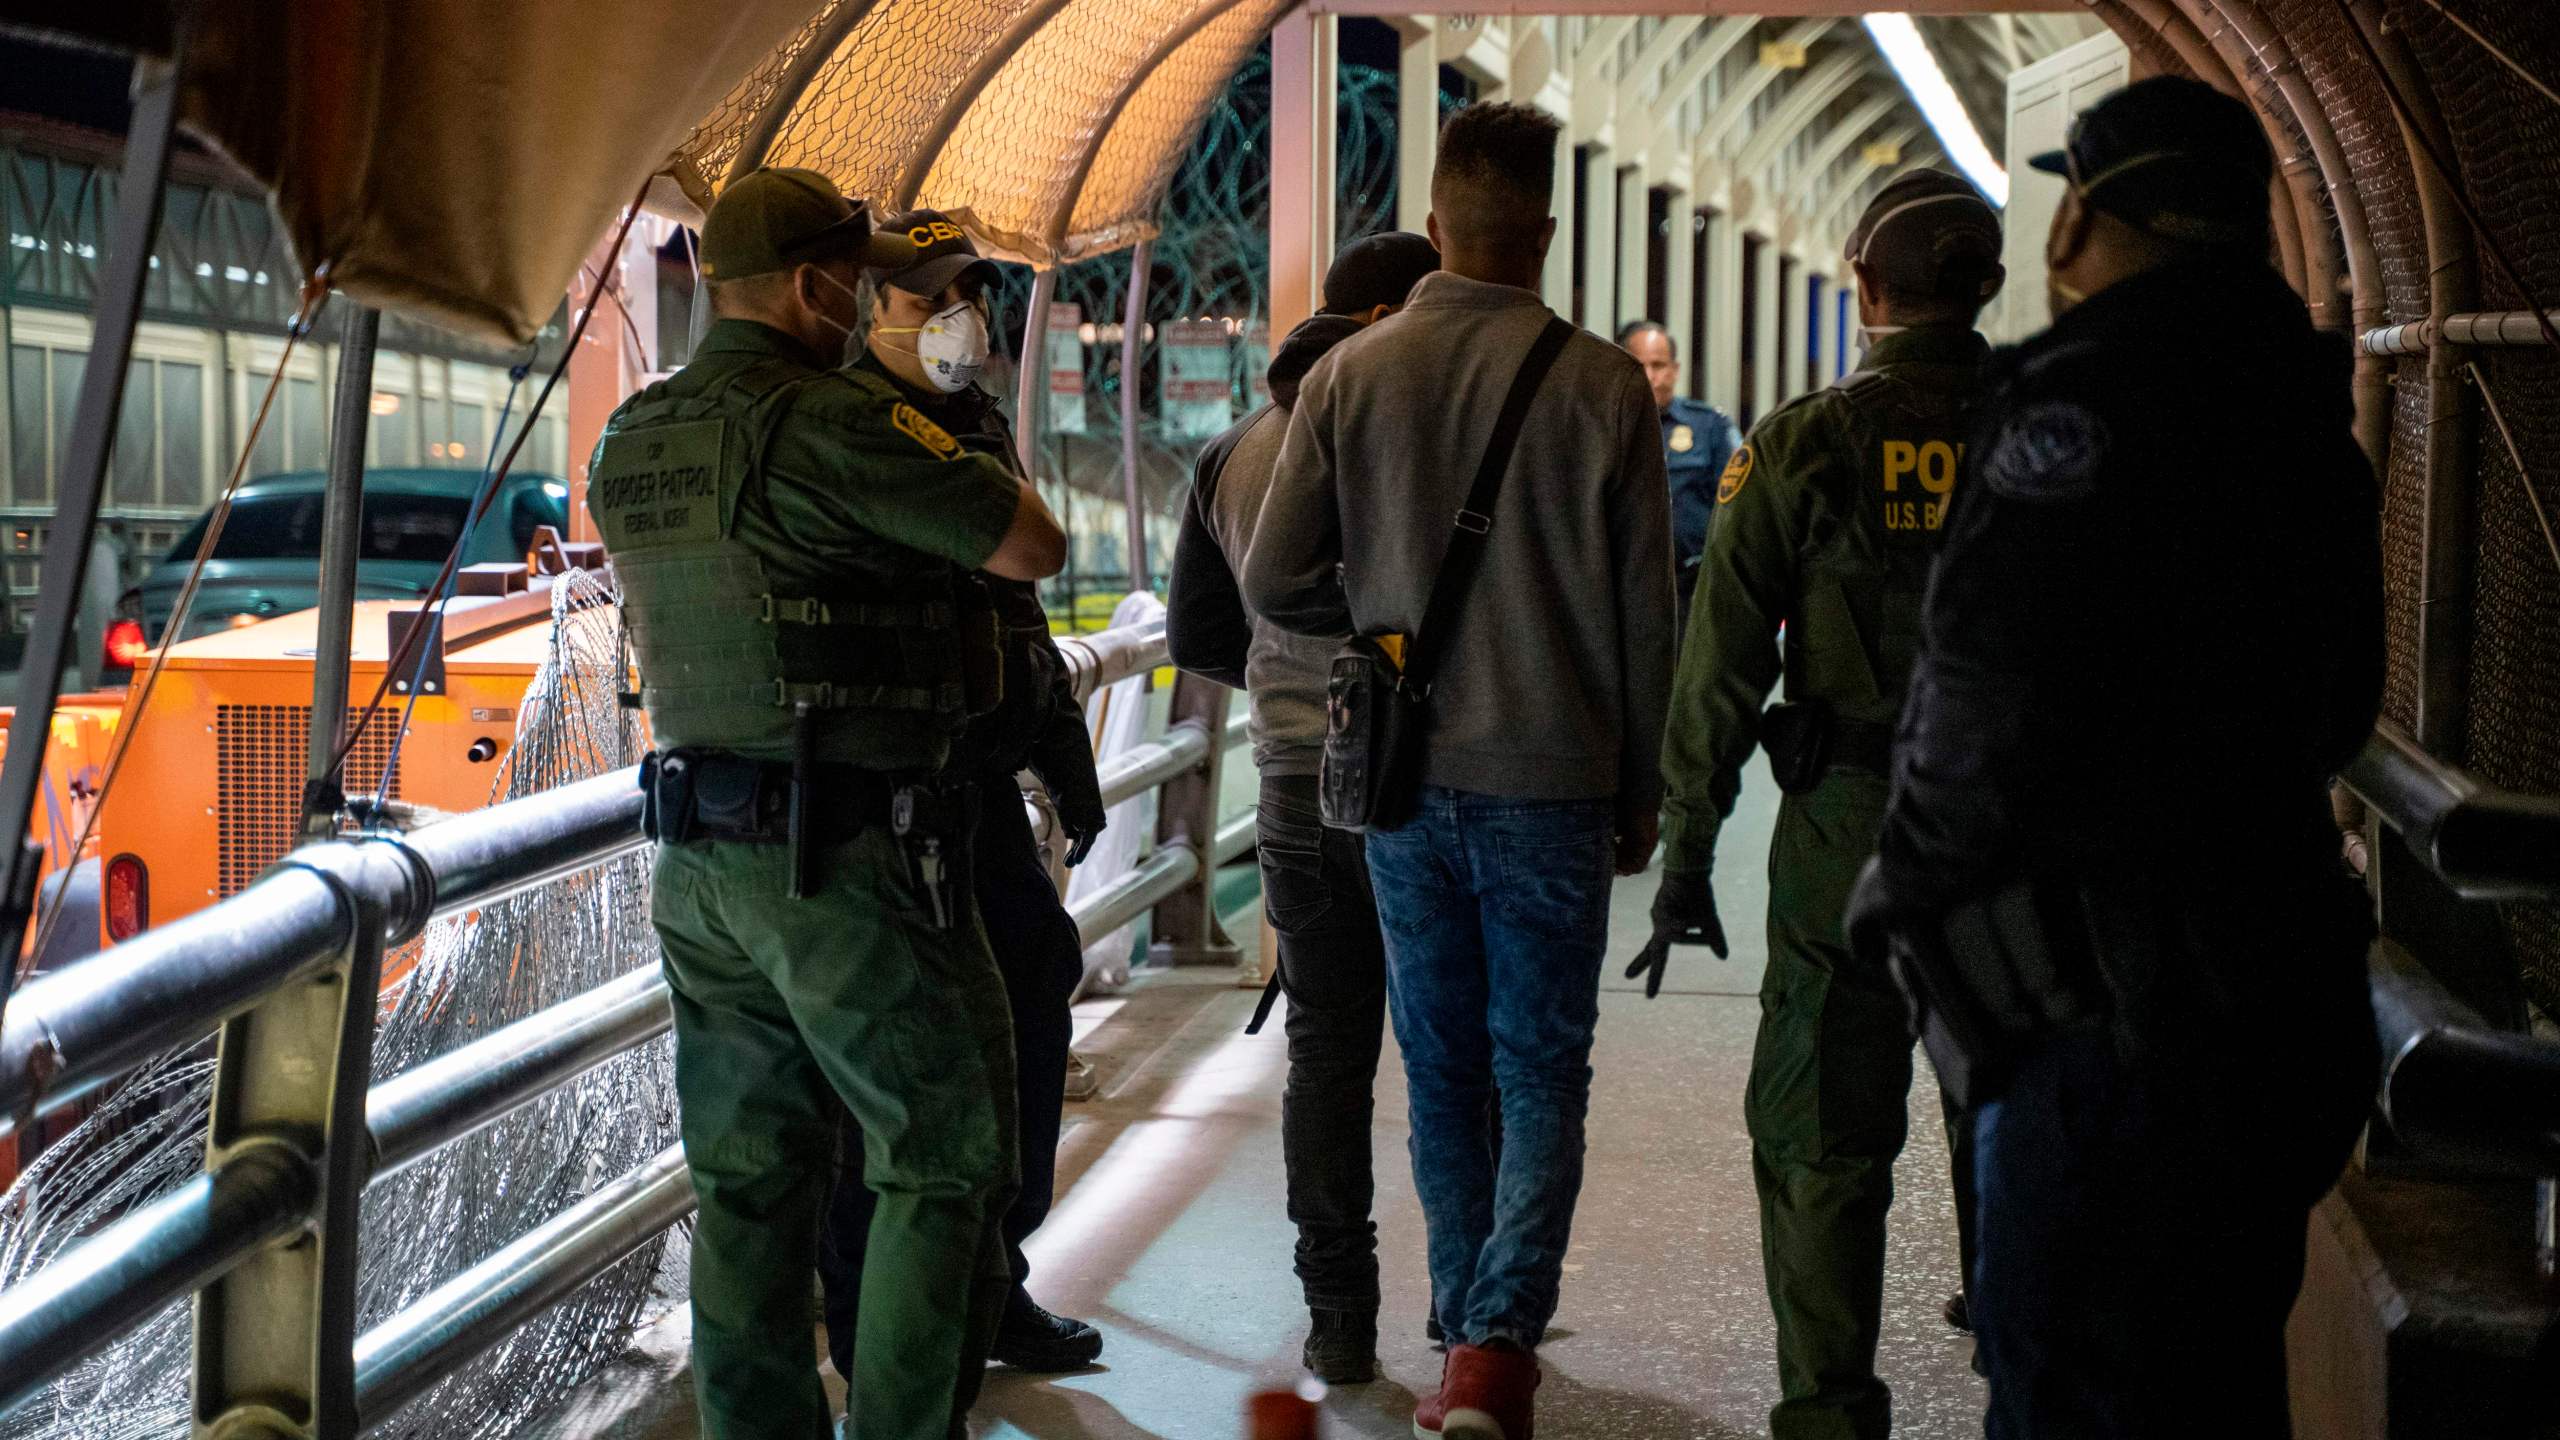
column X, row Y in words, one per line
column 1170, row 1234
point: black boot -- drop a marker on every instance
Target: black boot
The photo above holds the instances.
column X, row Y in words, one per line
column 1958, row 1313
column 1342, row 1347
column 1031, row 1338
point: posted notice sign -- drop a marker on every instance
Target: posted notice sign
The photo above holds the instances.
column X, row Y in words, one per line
column 1196, row 371
column 1066, row 369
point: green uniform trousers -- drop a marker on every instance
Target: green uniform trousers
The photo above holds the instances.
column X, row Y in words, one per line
column 785, row 1010
column 1827, row 1109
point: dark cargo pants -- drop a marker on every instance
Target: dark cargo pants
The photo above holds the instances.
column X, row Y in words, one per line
column 787, row 1011
column 1828, row 1111
column 1041, row 960
column 1333, row 968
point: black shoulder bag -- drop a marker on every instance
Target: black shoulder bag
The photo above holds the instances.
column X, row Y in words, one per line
column 1374, row 709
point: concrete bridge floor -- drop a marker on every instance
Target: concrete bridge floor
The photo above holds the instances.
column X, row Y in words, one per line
column 1169, row 1231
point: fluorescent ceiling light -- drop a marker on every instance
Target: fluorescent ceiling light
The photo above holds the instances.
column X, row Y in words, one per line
column 1918, row 70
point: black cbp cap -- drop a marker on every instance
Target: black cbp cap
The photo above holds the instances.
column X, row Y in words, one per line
column 2174, row 157
column 1924, row 228
column 778, row 217
column 944, row 253
column 1377, row 270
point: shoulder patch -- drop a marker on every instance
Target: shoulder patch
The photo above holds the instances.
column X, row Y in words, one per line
column 912, row 424
column 2048, row 451
column 1736, row 470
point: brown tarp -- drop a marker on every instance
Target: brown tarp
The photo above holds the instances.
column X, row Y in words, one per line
column 457, row 159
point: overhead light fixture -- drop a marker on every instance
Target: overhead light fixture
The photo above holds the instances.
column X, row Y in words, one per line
column 1927, row 85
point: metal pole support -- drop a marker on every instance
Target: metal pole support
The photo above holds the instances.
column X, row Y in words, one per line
column 1186, row 929
column 341, row 541
column 1133, row 346
column 275, row 1338
column 140, row 194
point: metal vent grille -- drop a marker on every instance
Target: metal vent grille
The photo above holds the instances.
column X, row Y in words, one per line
column 261, row 751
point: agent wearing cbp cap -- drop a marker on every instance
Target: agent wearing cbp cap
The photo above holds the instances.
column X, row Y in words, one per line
column 1827, row 521
column 790, row 538
column 930, row 342
column 2153, row 635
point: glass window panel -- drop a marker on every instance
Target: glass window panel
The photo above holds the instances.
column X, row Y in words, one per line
column 310, row 433
column 30, row 465
column 132, row 468
column 182, row 480
column 68, row 367
column 394, row 439
column 470, row 434
column 268, row 456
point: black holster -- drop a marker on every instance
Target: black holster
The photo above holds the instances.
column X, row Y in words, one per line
column 1997, row 973
column 1798, row 737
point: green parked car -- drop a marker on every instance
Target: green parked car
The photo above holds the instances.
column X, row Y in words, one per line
column 268, row 560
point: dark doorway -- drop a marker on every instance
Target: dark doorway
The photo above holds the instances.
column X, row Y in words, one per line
column 1749, row 398
column 1702, row 229
column 1584, row 172
column 1813, row 328
column 1788, row 320
column 1657, row 254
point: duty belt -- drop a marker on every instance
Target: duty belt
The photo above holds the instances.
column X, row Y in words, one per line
column 1863, row 745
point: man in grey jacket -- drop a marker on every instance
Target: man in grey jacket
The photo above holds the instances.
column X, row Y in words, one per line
column 1540, row 765
column 1315, row 884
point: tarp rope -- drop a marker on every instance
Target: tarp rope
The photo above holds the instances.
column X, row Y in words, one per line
column 401, row 656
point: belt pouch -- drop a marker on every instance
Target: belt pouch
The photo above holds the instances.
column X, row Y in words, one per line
column 727, row 798
column 1798, row 737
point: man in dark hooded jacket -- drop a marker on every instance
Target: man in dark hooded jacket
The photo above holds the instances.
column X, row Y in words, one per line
column 1315, row 881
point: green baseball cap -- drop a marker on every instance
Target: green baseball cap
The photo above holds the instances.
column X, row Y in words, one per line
column 775, row 218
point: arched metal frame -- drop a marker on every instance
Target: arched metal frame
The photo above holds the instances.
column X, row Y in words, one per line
column 794, row 84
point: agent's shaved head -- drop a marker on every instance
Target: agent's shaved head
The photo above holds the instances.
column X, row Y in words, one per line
column 1491, row 190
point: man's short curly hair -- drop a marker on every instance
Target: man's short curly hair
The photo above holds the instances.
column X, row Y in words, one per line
column 1496, row 175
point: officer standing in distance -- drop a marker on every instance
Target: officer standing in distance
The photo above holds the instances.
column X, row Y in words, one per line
column 1827, row 521
column 2153, row 635
column 1698, row 440
column 930, row 343
column 789, row 537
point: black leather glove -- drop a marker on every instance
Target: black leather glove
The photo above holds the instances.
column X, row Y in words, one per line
column 1684, row 913
column 1082, row 828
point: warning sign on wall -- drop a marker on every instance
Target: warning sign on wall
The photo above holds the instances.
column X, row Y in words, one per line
column 1196, row 374
column 1066, row 369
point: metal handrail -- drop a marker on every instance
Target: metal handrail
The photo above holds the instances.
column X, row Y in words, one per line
column 2484, row 1100
column 2487, row 843
column 75, row 1031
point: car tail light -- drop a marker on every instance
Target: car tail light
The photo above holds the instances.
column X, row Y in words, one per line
column 128, row 897
column 125, row 645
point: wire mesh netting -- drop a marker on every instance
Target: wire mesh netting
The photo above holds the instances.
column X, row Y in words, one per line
column 473, row 974
column 2504, row 135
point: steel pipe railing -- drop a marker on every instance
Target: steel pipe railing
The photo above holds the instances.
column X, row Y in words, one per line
column 2485, row 1100
column 1109, row 656
column 1146, row 767
column 74, row 1031
column 164, row 1251
column 403, row 1357
column 79, row 1028
column 2485, row 327
column 2487, row 843
column 430, row 1106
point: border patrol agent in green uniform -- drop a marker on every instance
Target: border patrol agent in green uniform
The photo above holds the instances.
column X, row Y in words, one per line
column 1827, row 521
column 787, row 537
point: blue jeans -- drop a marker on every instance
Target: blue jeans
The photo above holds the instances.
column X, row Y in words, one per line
column 1496, row 913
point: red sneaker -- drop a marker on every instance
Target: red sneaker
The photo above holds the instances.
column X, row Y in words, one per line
column 1430, row 1411
column 1485, row 1394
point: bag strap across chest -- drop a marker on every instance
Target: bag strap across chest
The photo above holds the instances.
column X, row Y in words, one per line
column 1474, row 523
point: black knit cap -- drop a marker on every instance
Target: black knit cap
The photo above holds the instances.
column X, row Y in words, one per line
column 2174, row 157
column 1377, row 270
column 1926, row 227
